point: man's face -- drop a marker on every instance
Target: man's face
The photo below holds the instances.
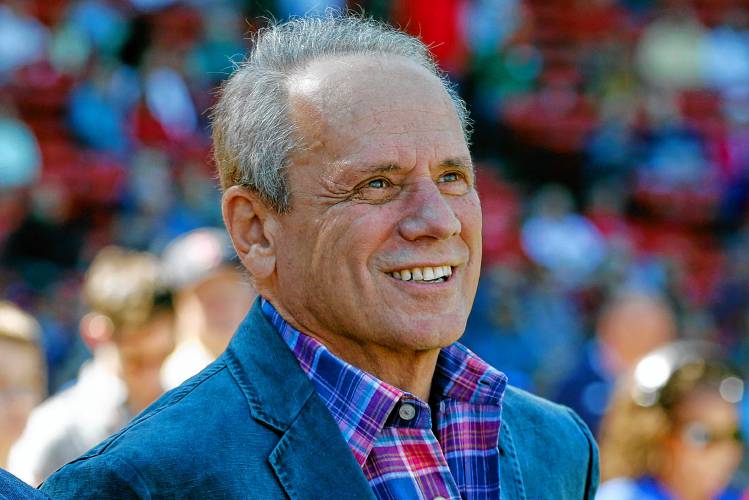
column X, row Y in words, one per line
column 383, row 184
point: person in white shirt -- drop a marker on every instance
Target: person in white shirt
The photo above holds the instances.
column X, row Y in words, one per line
column 212, row 296
column 22, row 373
column 130, row 331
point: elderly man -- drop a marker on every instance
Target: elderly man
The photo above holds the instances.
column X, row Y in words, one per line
column 350, row 198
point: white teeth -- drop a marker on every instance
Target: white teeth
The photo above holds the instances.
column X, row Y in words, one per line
column 428, row 274
column 423, row 273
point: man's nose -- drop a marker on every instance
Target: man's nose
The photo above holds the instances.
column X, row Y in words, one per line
column 428, row 214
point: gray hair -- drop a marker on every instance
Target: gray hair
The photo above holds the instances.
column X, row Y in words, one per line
column 253, row 134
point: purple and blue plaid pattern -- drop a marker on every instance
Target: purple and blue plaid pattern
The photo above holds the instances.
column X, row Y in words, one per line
column 400, row 454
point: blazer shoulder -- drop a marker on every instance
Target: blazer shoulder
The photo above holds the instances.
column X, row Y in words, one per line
column 184, row 431
column 550, row 442
column 99, row 476
column 177, row 409
column 12, row 488
column 524, row 412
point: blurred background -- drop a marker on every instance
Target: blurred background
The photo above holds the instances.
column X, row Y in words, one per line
column 611, row 139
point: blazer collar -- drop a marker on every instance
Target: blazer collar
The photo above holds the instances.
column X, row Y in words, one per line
column 267, row 372
column 311, row 458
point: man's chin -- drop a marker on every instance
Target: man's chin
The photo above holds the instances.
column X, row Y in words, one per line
column 426, row 332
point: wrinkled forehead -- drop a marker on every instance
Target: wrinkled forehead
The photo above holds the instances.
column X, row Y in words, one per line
column 347, row 98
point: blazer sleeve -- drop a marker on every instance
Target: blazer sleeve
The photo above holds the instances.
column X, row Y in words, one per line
column 593, row 473
column 96, row 477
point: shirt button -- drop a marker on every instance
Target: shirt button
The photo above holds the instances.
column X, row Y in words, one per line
column 407, row 411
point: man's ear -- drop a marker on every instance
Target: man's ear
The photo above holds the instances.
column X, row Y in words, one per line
column 251, row 224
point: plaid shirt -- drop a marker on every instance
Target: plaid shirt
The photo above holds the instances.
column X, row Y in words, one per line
column 390, row 432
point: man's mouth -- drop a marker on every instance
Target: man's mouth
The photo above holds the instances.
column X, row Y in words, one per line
column 434, row 274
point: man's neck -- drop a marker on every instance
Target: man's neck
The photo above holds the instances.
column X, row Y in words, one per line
column 409, row 371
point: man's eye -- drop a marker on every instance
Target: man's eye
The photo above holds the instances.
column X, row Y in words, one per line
column 450, row 177
column 377, row 190
column 378, row 184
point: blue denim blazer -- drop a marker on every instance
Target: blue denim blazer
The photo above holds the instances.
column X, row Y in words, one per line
column 12, row 488
column 252, row 426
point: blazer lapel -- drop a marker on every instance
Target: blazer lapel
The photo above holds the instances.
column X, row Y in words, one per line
column 311, row 460
column 511, row 478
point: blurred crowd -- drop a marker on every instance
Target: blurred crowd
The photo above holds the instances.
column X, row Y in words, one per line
column 611, row 139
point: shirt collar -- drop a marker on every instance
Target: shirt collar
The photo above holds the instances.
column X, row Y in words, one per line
column 460, row 375
column 361, row 404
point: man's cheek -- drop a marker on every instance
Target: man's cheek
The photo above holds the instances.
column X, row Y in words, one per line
column 468, row 210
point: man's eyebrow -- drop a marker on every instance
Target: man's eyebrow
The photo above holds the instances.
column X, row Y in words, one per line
column 344, row 174
column 384, row 168
column 458, row 162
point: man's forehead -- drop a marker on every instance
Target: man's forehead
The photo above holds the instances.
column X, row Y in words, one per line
column 349, row 82
column 349, row 97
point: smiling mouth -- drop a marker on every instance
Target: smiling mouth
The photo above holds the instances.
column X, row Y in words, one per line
column 428, row 275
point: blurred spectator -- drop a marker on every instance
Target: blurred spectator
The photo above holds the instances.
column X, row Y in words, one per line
column 673, row 429
column 630, row 326
column 488, row 23
column 564, row 242
column 22, row 383
column 289, row 8
column 495, row 329
column 130, row 331
column 23, row 39
column 169, row 101
column 522, row 322
column 20, row 159
column 726, row 53
column 148, row 5
column 669, row 51
column 212, row 297
column 99, row 106
column 674, row 158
